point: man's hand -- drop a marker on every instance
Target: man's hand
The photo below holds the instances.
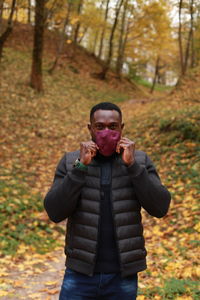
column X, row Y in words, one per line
column 87, row 152
column 128, row 148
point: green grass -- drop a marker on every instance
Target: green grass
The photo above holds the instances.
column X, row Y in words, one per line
column 19, row 222
column 158, row 87
column 173, row 288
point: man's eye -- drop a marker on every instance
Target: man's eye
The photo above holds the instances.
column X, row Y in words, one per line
column 99, row 127
column 113, row 126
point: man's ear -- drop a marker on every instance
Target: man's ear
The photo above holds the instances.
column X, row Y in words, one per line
column 89, row 127
column 122, row 126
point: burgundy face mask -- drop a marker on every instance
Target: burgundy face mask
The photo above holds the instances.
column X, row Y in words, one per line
column 107, row 141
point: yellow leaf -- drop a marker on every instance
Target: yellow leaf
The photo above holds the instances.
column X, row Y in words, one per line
column 141, row 285
column 35, row 295
column 140, row 297
column 2, row 273
column 187, row 272
column 21, row 267
column 68, row 41
column 160, row 250
column 190, row 145
column 51, row 282
column 156, row 231
column 53, row 292
column 43, row 290
column 74, row 20
column 18, row 283
column 3, row 293
column 197, row 227
column 196, row 271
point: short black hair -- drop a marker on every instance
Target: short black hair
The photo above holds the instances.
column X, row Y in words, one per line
column 105, row 106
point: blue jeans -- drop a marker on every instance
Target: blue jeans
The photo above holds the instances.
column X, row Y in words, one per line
column 77, row 286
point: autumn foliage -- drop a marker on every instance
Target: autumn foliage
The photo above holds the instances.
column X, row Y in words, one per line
column 37, row 128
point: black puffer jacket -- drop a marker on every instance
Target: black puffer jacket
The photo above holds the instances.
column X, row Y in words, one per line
column 75, row 195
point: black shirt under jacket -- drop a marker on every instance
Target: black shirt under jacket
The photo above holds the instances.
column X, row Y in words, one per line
column 107, row 260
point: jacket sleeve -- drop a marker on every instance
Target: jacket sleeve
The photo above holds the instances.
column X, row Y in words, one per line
column 61, row 200
column 150, row 192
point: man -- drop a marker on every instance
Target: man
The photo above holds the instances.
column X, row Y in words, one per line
column 101, row 189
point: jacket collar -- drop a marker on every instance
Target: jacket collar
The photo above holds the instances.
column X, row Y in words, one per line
column 97, row 160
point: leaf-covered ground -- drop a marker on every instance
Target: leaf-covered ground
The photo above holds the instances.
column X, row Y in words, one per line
column 36, row 130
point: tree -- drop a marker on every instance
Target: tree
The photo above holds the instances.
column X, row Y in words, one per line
column 62, row 38
column 106, row 67
column 192, row 34
column 4, row 36
column 29, row 11
column 76, row 31
column 180, row 36
column 156, row 74
column 36, row 73
column 186, row 34
column 92, row 22
column 122, row 40
column 189, row 40
column 1, row 11
column 103, row 29
column 149, row 38
column 196, row 40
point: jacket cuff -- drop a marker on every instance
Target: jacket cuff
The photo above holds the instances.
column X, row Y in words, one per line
column 78, row 174
column 135, row 169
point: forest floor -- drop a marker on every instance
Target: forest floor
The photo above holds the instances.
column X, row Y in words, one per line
column 35, row 132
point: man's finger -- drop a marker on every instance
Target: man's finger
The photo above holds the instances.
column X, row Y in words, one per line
column 125, row 143
column 123, row 146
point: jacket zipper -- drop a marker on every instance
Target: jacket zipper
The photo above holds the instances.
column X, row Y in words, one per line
column 113, row 219
column 114, row 226
column 98, row 227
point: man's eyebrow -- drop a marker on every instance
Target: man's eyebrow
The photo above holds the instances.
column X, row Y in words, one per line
column 112, row 122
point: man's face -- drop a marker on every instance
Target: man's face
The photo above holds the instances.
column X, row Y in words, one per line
column 105, row 119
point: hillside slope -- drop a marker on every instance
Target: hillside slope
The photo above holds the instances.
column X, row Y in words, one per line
column 73, row 58
column 189, row 87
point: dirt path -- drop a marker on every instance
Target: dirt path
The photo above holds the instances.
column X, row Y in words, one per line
column 38, row 277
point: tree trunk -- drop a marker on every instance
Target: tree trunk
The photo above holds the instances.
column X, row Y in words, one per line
column 36, row 74
column 1, row 12
column 155, row 74
column 192, row 51
column 102, row 75
column 95, row 41
column 80, row 5
column 4, row 36
column 104, row 29
column 62, row 39
column 192, row 34
column 180, row 39
column 29, row 12
column 122, row 41
column 187, row 51
column 122, row 53
column 82, row 35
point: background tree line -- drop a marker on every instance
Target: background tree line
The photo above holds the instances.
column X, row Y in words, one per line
column 149, row 39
